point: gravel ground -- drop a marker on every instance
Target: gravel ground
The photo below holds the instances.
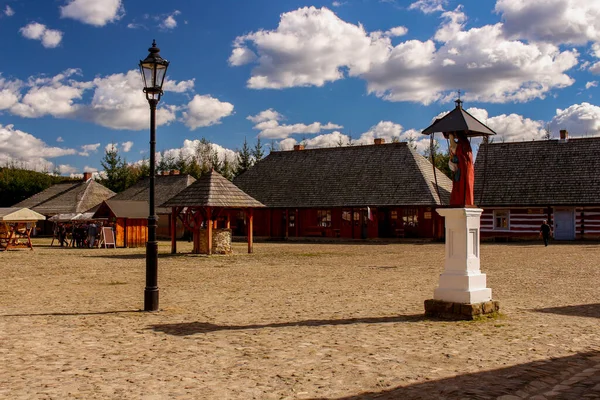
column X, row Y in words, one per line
column 292, row 320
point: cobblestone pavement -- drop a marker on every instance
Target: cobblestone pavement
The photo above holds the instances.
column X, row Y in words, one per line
column 296, row 321
column 569, row 378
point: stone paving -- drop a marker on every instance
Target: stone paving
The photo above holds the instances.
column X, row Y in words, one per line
column 296, row 321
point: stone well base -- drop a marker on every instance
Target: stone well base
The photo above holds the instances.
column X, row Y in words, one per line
column 459, row 311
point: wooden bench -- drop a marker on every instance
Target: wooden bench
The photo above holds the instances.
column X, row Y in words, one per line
column 314, row 231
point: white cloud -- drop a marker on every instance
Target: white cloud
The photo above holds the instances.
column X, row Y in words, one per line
column 338, row 3
column 397, row 31
column 27, row 150
column 484, row 64
column 511, row 127
column 93, row 12
column 126, row 146
column 178, row 87
column 287, row 144
column 118, row 103
column 595, row 50
column 9, row 93
column 169, row 21
column 54, row 96
column 311, row 47
column 332, row 139
column 87, row 168
column 66, row 169
column 205, row 110
column 8, row 11
column 553, row 21
column 60, row 139
column 579, row 119
column 428, row 6
column 591, row 84
column 267, row 122
column 87, row 148
column 188, row 151
column 595, row 68
column 50, row 38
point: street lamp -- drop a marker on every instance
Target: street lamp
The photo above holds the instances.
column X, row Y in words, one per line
column 154, row 70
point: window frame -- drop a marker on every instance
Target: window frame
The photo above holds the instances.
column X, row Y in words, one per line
column 499, row 214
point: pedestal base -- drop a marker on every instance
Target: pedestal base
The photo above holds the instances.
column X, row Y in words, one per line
column 460, row 311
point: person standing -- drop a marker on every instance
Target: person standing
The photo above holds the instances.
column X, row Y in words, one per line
column 91, row 234
column 545, row 231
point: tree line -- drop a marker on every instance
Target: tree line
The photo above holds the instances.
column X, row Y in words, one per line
column 17, row 184
column 118, row 174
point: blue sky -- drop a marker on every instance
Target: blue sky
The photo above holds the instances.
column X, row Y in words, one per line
column 321, row 72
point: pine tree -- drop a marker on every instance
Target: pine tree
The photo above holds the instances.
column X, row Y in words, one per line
column 117, row 176
column 258, row 152
column 244, row 159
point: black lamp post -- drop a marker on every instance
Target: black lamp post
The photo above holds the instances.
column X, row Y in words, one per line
column 154, row 70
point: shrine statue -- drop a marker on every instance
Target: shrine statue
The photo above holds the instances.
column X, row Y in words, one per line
column 461, row 163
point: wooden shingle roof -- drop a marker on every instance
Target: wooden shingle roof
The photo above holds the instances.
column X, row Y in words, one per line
column 375, row 175
column 65, row 198
column 539, row 173
column 165, row 187
column 212, row 190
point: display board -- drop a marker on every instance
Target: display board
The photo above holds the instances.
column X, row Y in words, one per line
column 108, row 237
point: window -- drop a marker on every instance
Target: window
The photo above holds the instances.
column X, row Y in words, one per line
column 410, row 217
column 324, row 218
column 394, row 214
column 292, row 220
column 501, row 220
column 346, row 215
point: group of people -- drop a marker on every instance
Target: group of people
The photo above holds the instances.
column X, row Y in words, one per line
column 84, row 235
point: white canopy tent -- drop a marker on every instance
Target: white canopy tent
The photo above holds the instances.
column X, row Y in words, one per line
column 16, row 224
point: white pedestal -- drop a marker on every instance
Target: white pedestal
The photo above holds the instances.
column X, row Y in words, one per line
column 462, row 280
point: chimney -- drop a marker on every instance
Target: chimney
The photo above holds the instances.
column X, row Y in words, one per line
column 564, row 135
column 174, row 172
column 298, row 147
column 379, row 141
column 87, row 176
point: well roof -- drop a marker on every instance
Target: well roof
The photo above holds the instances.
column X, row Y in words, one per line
column 212, row 190
column 65, row 198
column 165, row 187
column 375, row 175
column 539, row 173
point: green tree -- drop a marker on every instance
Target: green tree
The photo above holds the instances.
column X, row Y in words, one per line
column 244, row 159
column 117, row 175
column 17, row 184
column 440, row 158
column 258, row 152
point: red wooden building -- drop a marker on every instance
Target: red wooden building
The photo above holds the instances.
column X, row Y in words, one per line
column 375, row 191
column 527, row 182
column 129, row 218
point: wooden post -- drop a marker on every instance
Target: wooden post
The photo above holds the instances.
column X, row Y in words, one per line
column 287, row 223
column 209, row 228
column 228, row 222
column 173, row 226
column 250, row 233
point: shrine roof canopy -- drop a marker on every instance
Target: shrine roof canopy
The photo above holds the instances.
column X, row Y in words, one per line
column 19, row 214
column 459, row 120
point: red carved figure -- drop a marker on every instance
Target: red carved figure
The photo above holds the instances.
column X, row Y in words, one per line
column 464, row 174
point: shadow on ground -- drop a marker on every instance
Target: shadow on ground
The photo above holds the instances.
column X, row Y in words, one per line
column 192, row 328
column 529, row 380
column 582, row 310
